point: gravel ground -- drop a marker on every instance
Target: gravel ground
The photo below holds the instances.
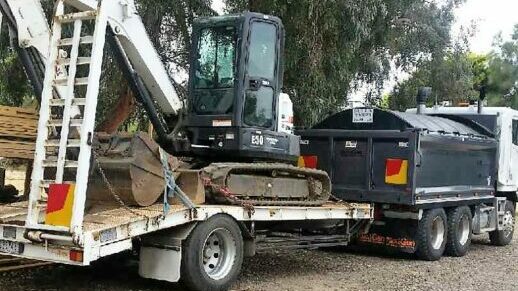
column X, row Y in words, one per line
column 484, row 268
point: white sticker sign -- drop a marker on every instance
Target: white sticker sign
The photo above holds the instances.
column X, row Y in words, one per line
column 222, row 123
column 351, row 144
column 363, row 115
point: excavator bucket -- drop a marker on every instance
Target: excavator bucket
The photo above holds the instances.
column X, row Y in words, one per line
column 127, row 169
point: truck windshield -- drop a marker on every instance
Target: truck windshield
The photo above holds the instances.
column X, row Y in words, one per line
column 216, row 58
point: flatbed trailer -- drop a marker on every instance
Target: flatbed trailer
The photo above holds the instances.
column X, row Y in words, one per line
column 109, row 230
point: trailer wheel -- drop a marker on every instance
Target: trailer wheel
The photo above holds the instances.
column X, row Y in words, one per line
column 212, row 255
column 431, row 235
column 459, row 231
column 504, row 236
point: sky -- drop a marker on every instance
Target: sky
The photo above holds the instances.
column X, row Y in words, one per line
column 490, row 17
column 218, row 6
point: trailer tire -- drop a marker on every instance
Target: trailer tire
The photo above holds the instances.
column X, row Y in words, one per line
column 459, row 231
column 432, row 235
column 505, row 236
column 212, row 255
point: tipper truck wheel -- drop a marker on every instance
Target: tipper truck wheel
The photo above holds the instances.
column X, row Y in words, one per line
column 459, row 231
column 432, row 235
column 504, row 236
column 212, row 255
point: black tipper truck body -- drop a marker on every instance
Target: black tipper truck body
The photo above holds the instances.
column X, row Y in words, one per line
column 408, row 159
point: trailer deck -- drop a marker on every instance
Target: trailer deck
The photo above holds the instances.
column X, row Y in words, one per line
column 109, row 230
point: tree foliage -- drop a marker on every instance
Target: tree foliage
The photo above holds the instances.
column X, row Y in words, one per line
column 503, row 72
column 14, row 89
column 332, row 46
column 460, row 76
column 451, row 76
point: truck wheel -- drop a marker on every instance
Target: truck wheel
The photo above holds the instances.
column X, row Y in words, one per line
column 504, row 236
column 431, row 235
column 212, row 255
column 459, row 231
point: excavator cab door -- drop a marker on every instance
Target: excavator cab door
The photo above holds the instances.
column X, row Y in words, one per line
column 262, row 80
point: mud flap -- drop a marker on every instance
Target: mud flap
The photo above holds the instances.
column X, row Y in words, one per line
column 394, row 234
column 161, row 254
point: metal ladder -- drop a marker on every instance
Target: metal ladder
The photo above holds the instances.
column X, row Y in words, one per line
column 55, row 161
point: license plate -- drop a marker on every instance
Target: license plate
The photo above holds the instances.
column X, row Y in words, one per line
column 9, row 247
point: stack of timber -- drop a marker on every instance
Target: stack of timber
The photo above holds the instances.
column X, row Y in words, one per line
column 18, row 130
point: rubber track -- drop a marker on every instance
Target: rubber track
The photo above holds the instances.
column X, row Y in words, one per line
column 219, row 172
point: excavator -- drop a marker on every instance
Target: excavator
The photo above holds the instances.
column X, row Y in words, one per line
column 234, row 131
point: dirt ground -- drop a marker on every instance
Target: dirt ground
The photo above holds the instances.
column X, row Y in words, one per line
column 484, row 268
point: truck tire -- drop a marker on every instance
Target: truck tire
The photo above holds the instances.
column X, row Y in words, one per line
column 505, row 236
column 432, row 235
column 212, row 255
column 459, row 231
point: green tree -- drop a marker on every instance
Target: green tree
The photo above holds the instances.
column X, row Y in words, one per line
column 455, row 75
column 503, row 73
column 332, row 46
column 480, row 69
column 14, row 89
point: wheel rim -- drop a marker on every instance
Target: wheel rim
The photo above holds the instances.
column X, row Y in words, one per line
column 437, row 233
column 463, row 230
column 219, row 254
column 508, row 225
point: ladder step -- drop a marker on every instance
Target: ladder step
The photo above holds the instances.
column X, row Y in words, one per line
column 80, row 61
column 71, row 143
column 71, row 17
column 78, row 82
column 42, row 203
column 82, row 81
column 53, row 162
column 59, row 122
column 83, row 40
column 61, row 102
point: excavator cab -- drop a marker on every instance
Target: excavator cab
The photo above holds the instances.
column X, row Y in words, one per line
column 235, row 86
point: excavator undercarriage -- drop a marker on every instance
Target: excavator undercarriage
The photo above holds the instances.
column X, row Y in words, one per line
column 127, row 168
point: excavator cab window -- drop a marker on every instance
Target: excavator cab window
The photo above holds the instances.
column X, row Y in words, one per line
column 215, row 70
